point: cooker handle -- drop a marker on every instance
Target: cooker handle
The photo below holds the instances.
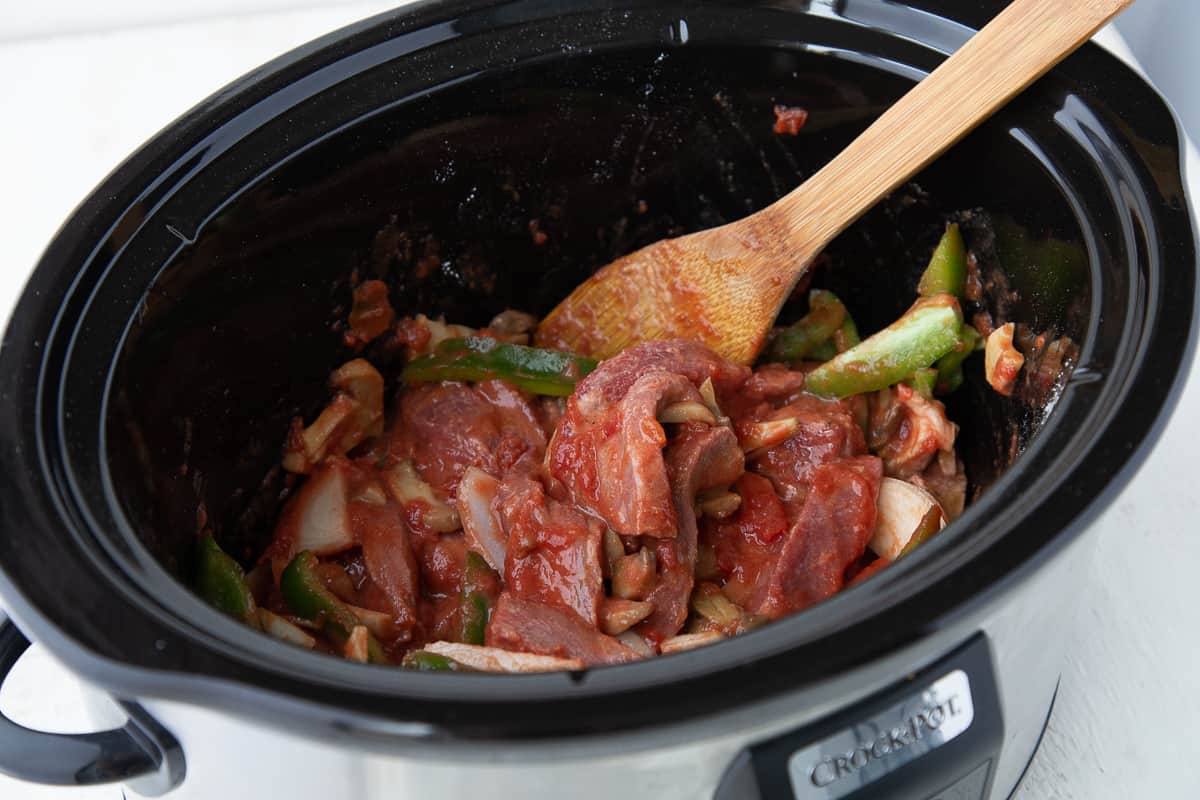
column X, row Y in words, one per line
column 141, row 754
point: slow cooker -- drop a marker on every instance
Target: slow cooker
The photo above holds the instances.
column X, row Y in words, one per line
column 184, row 313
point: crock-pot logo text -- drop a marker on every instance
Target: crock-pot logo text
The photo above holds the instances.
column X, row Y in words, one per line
column 895, row 740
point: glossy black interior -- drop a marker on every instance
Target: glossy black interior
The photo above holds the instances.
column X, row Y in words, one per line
column 601, row 153
column 187, row 311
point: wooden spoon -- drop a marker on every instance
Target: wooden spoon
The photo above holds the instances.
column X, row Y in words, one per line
column 725, row 286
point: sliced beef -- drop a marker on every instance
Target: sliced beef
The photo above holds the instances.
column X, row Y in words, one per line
column 747, row 545
column 770, row 386
column 825, row 432
column 701, row 457
column 613, row 378
column 831, row 533
column 444, row 428
column 529, row 627
column 389, row 558
column 553, row 551
column 607, row 451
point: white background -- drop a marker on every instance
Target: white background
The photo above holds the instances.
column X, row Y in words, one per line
column 82, row 84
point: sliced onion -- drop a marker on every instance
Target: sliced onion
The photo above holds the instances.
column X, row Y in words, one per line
column 281, row 628
column 480, row 522
column 493, row 659
column 306, row 450
column 321, row 522
column 899, row 511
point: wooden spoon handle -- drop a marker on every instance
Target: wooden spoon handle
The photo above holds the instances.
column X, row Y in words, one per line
column 1010, row 52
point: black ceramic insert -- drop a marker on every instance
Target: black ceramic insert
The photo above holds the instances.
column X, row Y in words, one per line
column 186, row 312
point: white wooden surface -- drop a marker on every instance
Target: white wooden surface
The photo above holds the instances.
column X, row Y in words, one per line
column 74, row 105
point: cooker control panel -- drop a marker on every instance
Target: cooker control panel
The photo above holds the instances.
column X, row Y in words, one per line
column 933, row 736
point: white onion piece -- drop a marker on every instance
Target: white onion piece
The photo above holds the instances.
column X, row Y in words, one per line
column 406, row 486
column 322, row 524
column 376, row 622
column 898, row 512
column 280, row 628
column 493, row 659
column 480, row 522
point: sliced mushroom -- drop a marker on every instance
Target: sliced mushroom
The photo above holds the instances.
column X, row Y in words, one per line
column 308, row 446
column 900, row 510
column 364, row 384
column 711, row 603
column 635, row 643
column 513, row 326
column 618, row 616
column 688, row 641
column 709, row 395
column 1001, row 361
column 439, row 332
column 758, row 435
column 687, row 411
column 371, row 314
column 633, row 575
column 613, row 549
column 407, row 487
column 480, row 522
column 493, row 659
column 719, row 503
column 354, row 414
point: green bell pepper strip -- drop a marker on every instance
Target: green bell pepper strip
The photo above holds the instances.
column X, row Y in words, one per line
column 221, row 581
column 923, row 381
column 925, row 333
column 425, row 661
column 308, row 598
column 930, row 524
column 479, row 358
column 949, row 366
column 947, row 270
column 843, row 339
column 825, row 315
column 480, row 590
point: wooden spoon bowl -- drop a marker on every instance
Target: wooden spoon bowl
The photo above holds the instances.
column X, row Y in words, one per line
column 724, row 286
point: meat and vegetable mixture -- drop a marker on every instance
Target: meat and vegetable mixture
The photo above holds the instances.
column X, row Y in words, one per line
column 516, row 509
